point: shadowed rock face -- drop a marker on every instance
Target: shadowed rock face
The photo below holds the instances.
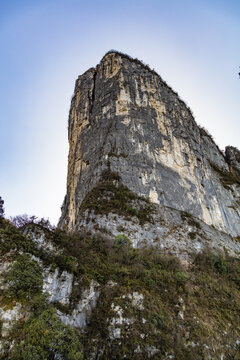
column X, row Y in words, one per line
column 125, row 118
column 233, row 159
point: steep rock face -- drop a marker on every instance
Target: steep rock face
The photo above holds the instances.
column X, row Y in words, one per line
column 233, row 159
column 126, row 119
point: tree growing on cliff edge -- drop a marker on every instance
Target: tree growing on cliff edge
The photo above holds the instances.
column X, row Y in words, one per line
column 1, row 207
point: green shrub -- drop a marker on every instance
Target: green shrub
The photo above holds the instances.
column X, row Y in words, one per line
column 180, row 277
column 24, row 278
column 12, row 238
column 212, row 261
column 122, row 240
column 45, row 336
column 110, row 195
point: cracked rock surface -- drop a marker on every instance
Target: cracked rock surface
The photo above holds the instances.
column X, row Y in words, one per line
column 126, row 119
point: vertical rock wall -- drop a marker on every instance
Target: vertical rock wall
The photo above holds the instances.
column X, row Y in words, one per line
column 125, row 118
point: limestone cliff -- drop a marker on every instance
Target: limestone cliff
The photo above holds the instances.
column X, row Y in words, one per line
column 143, row 181
column 125, row 119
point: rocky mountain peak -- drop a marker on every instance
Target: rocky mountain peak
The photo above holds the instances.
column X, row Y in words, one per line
column 125, row 120
column 145, row 183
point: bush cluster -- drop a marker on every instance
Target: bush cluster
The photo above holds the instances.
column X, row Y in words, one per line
column 45, row 337
column 110, row 195
column 24, row 279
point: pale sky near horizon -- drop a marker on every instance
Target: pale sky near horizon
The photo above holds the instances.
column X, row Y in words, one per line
column 46, row 44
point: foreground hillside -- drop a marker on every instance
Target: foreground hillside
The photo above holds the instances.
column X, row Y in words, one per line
column 83, row 296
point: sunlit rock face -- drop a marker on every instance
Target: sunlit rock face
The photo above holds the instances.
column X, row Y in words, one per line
column 125, row 118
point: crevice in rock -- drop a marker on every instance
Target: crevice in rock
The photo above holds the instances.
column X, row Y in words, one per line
column 91, row 97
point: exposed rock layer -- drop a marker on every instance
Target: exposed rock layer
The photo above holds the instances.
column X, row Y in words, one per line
column 125, row 118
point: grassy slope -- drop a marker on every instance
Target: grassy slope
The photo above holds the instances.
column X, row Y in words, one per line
column 189, row 311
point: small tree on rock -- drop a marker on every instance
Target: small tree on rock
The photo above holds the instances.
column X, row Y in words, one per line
column 1, row 207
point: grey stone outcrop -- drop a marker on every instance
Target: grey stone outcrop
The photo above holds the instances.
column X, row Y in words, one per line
column 125, row 118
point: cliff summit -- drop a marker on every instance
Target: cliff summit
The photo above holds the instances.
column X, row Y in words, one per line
column 125, row 120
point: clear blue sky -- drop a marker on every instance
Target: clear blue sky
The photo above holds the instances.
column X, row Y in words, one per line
column 46, row 44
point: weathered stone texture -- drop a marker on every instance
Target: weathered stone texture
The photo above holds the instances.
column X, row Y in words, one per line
column 125, row 118
column 233, row 159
